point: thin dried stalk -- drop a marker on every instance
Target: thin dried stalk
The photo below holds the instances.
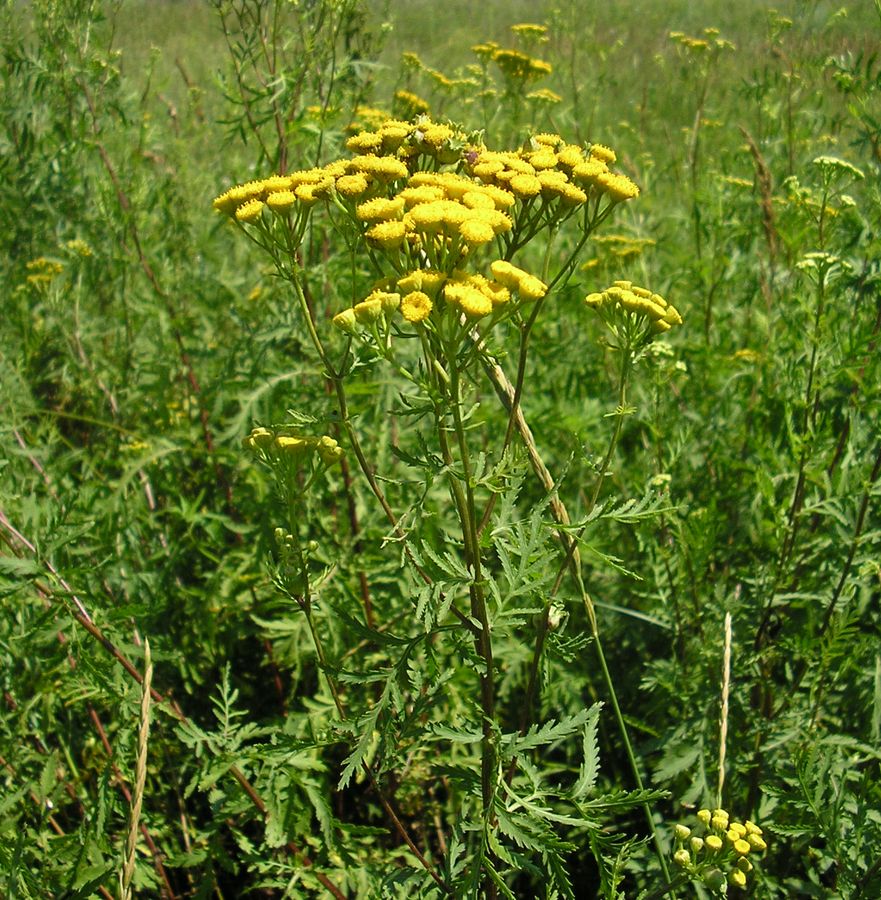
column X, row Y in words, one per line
column 128, row 872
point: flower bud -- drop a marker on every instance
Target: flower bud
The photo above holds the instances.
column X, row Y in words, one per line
column 329, row 450
column 756, row 842
column 346, row 321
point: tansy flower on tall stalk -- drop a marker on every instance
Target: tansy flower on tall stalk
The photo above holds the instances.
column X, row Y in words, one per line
column 441, row 218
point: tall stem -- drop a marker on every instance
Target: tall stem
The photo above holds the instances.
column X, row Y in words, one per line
column 467, row 513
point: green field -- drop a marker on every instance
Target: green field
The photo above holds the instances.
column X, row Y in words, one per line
column 441, row 451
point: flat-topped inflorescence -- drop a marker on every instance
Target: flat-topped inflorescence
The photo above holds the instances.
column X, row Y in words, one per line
column 434, row 206
column 633, row 312
column 282, row 447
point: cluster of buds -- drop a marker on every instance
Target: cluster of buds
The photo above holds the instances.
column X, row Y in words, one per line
column 279, row 448
column 291, row 561
column 620, row 247
column 633, row 313
column 717, row 851
column 408, row 104
column 519, row 66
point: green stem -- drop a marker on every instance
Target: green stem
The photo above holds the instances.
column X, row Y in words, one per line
column 466, row 509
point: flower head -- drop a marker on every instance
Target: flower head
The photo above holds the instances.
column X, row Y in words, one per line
column 249, row 212
column 416, row 306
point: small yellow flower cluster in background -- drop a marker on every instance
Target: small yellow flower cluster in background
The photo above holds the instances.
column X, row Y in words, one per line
column 79, row 248
column 746, row 355
column 530, row 31
column 486, row 50
column 291, row 451
column 515, row 65
column 622, row 246
column 366, row 117
column 625, row 304
column 833, row 167
column 407, row 104
column 716, row 852
column 444, row 81
column 544, row 95
column 520, row 67
column 41, row 271
column 709, row 42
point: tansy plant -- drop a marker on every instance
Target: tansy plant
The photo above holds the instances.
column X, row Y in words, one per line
column 501, row 85
column 464, row 245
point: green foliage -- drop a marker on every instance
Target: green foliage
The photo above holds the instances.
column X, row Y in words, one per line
column 459, row 657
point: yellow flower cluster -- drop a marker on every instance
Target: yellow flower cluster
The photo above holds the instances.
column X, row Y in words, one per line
column 281, row 194
column 721, row 844
column 623, row 246
column 436, row 217
column 448, row 83
column 485, row 50
column 555, row 170
column 544, row 95
column 709, row 42
column 408, row 141
column 422, row 291
column 78, row 247
column 280, row 447
column 637, row 304
column 407, row 104
column 530, row 30
column 41, row 271
column 477, row 204
column 518, row 66
column 430, row 225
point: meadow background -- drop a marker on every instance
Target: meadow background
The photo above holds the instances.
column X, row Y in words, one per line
column 141, row 339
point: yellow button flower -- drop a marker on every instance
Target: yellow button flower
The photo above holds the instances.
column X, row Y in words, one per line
column 281, row 201
column 249, row 212
column 416, row 306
